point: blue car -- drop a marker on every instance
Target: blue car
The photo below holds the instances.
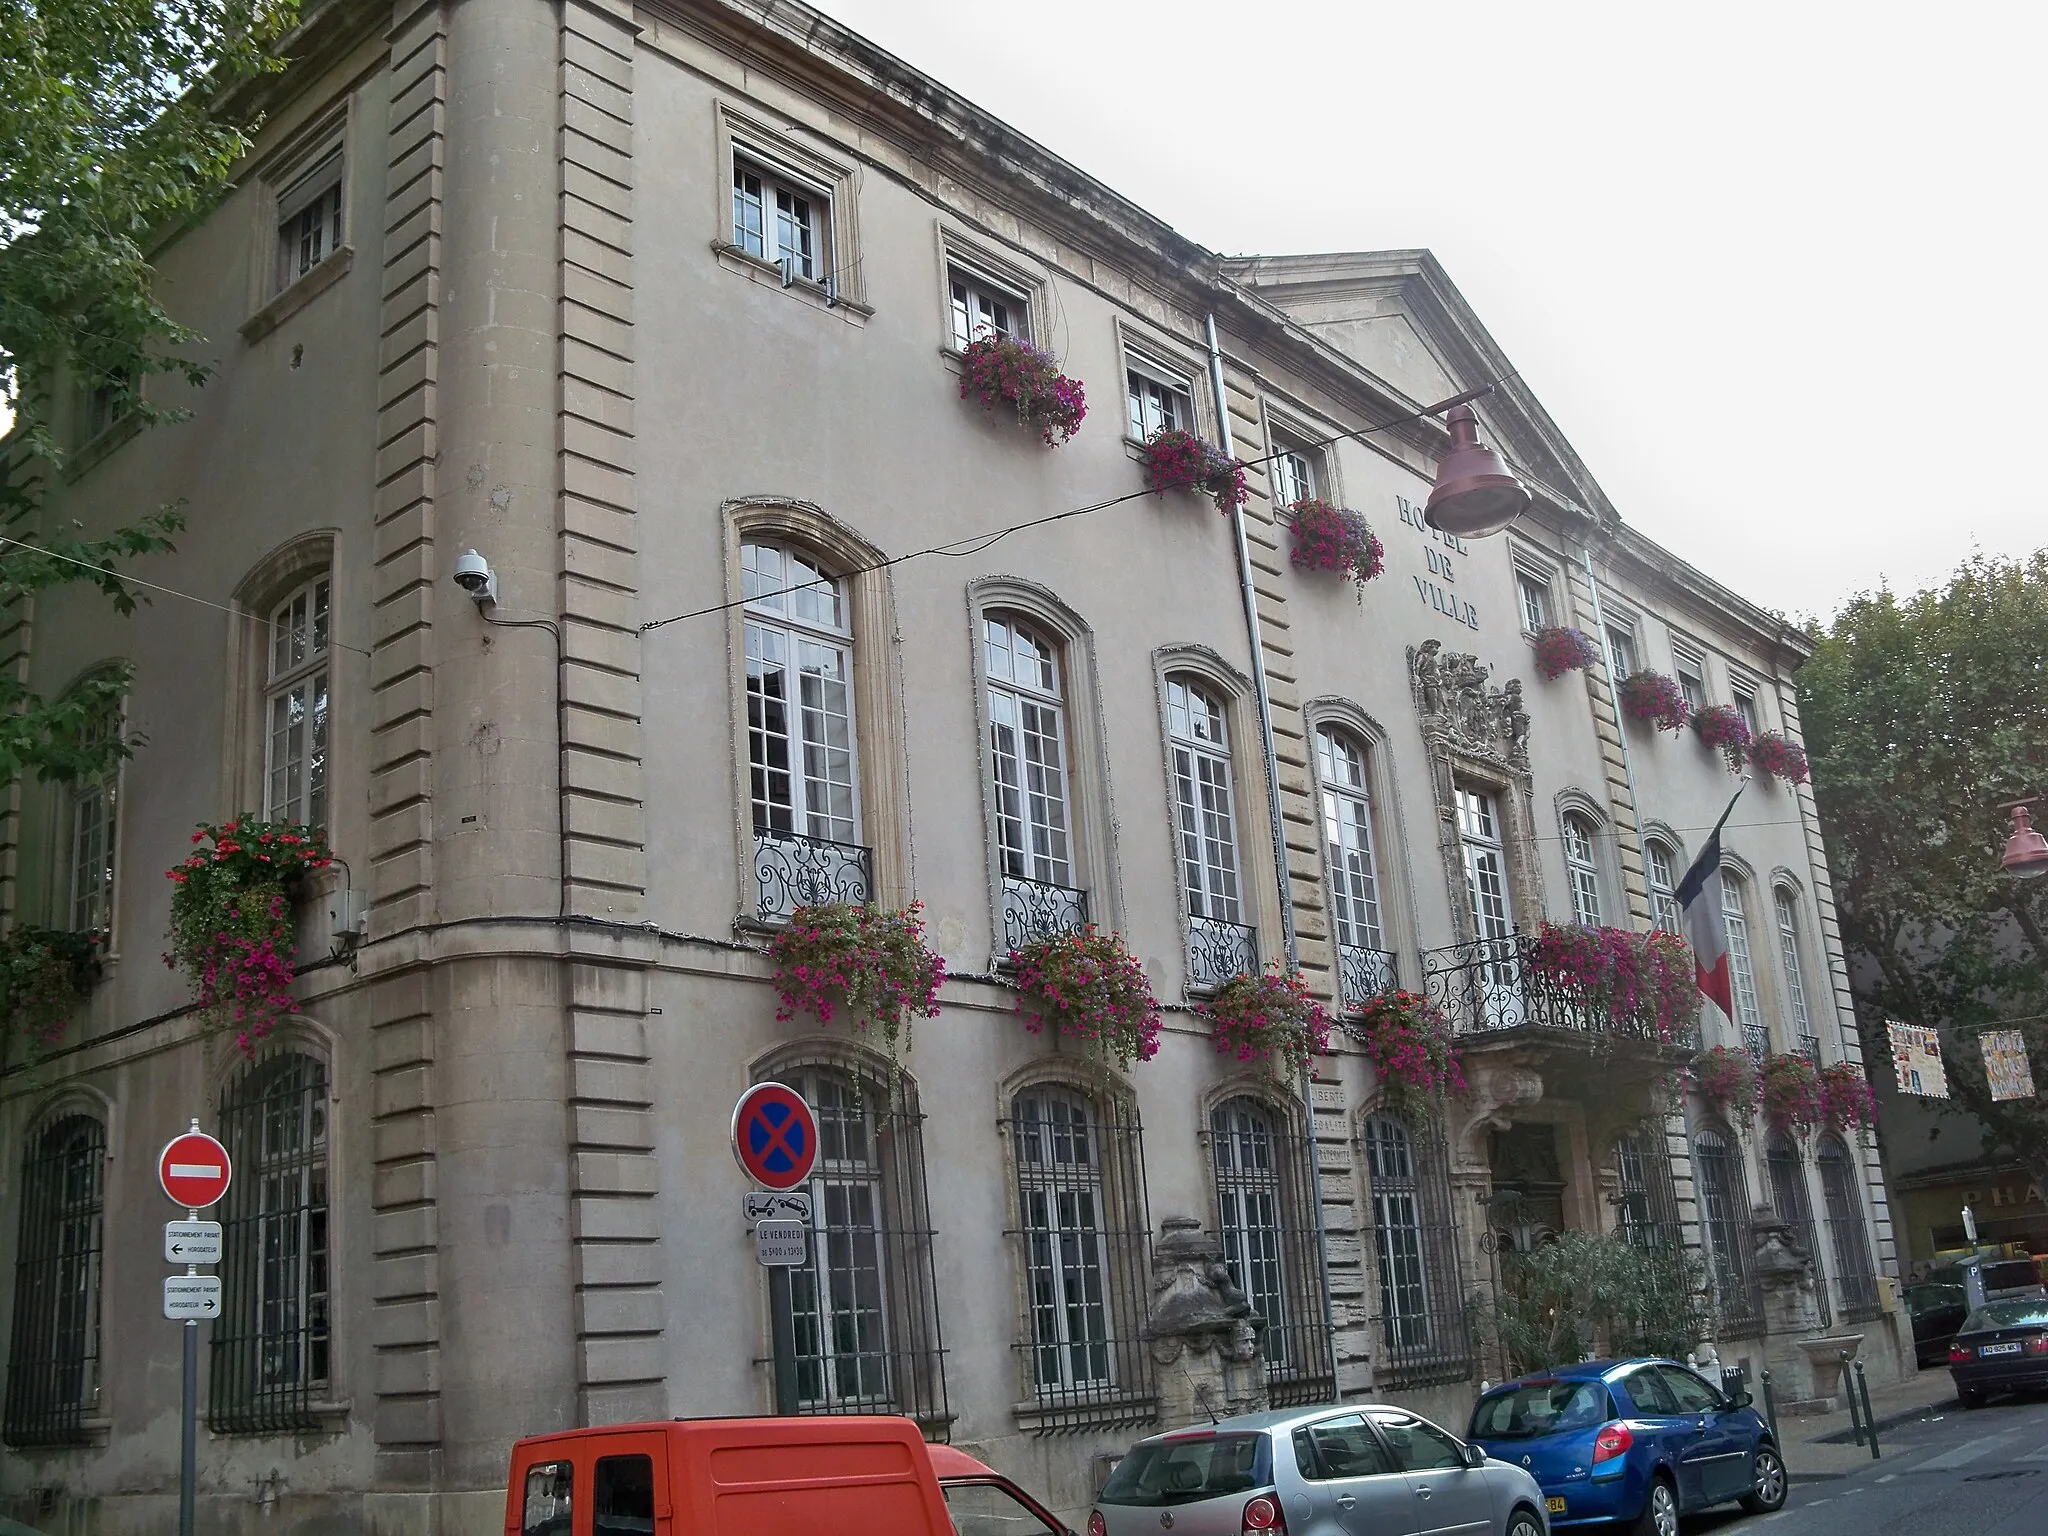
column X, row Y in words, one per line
column 1638, row 1441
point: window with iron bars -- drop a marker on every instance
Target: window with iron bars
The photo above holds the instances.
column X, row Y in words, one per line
column 864, row 1305
column 53, row 1354
column 1855, row 1274
column 271, row 1344
column 1083, row 1256
column 1724, row 1220
column 1265, row 1216
column 1647, row 1203
column 1785, row 1169
column 1412, row 1281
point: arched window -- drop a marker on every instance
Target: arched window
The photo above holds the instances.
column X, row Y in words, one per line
column 1648, row 1211
column 53, row 1357
column 1267, row 1225
column 1786, row 1171
column 1741, row 972
column 1662, row 869
column 1850, row 1244
column 1582, row 863
column 1083, row 1240
column 1724, row 1220
column 863, row 1306
column 1220, row 945
column 1028, row 769
column 1787, row 906
column 800, row 733
column 271, row 1343
column 295, row 706
column 1365, row 967
column 1420, row 1312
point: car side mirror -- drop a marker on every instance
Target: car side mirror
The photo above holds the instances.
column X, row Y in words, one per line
column 1475, row 1455
column 1741, row 1399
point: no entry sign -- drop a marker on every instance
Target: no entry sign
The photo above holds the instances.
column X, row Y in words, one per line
column 194, row 1170
column 775, row 1136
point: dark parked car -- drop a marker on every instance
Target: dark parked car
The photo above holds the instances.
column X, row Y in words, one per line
column 1938, row 1312
column 2003, row 1347
column 1643, row 1441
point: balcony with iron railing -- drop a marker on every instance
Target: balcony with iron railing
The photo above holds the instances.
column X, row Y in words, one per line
column 792, row 871
column 1809, row 1047
column 1757, row 1041
column 1363, row 974
column 1490, row 985
column 1035, row 910
column 1219, row 950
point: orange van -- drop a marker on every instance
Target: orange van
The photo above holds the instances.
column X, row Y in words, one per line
column 853, row 1476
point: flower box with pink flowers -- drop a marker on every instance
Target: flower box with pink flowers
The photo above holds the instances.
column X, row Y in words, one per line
column 1180, row 461
column 1004, row 370
column 1779, row 757
column 1654, row 699
column 865, row 962
column 1412, row 1049
column 1271, row 1017
column 1560, row 649
column 1329, row 538
column 1722, row 727
column 1089, row 987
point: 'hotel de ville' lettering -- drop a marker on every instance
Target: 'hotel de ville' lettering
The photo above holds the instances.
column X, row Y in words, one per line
column 1444, row 554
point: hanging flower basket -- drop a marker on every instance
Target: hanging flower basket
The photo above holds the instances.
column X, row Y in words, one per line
column 1780, row 757
column 1850, row 1102
column 1560, row 650
column 1654, row 699
column 1328, row 538
column 1671, row 986
column 868, row 963
column 1412, row 1050
column 1089, row 987
column 1727, row 1080
column 231, row 920
column 1002, row 370
column 1791, row 1095
column 1645, row 977
column 1272, row 1017
column 45, row 973
column 1180, row 461
column 1721, row 726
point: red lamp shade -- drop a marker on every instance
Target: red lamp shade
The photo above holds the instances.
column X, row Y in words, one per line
column 1475, row 495
column 2026, row 851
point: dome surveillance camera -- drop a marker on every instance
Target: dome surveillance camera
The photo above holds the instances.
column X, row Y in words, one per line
column 474, row 575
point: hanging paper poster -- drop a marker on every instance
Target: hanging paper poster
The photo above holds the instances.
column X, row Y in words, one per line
column 1916, row 1060
column 2005, row 1063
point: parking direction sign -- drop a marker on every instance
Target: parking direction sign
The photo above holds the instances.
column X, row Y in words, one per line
column 190, row 1297
column 779, row 1243
column 194, row 1170
column 192, row 1242
column 775, row 1136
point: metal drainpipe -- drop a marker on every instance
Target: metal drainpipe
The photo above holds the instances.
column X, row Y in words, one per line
column 1264, row 704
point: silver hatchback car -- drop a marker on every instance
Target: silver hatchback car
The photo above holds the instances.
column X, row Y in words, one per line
column 1363, row 1470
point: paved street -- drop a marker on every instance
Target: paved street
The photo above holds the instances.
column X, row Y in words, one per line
column 1983, row 1473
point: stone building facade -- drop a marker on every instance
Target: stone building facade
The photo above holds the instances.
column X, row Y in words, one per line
column 659, row 307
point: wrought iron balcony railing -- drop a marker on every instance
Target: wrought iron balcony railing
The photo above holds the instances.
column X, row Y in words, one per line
column 1757, row 1041
column 1809, row 1047
column 1363, row 974
column 1494, row 984
column 1034, row 910
column 791, row 871
column 1218, row 950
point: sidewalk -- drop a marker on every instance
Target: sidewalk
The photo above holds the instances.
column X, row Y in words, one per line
column 1822, row 1446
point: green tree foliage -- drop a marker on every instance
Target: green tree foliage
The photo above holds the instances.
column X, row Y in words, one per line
column 1596, row 1293
column 1922, row 715
column 119, row 120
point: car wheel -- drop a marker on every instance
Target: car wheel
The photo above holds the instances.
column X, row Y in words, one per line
column 1660, row 1511
column 1768, row 1494
column 1522, row 1523
column 1969, row 1397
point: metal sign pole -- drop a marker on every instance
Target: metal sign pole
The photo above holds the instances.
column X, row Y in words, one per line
column 188, row 1446
column 779, row 1306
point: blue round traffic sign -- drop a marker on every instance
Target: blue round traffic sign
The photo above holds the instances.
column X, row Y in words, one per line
column 775, row 1136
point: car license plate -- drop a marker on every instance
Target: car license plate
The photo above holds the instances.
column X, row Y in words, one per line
column 1999, row 1349
column 1556, row 1506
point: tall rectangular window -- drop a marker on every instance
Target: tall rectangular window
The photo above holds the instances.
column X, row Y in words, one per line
column 53, row 1357
column 1621, row 651
column 1788, row 949
column 1060, row 1177
column 800, row 743
column 1691, row 674
column 1741, row 971
column 1027, row 755
column 1663, row 881
column 271, row 1343
column 1365, row 966
column 1745, row 705
column 295, row 708
column 980, row 309
column 1413, row 1286
column 1203, row 800
column 1534, row 595
column 778, row 219
column 309, row 214
column 1294, row 475
column 1486, row 870
column 1581, row 862
column 88, row 828
column 1157, row 405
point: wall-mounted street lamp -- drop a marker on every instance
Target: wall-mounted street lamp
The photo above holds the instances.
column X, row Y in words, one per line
column 1476, row 494
column 2026, row 851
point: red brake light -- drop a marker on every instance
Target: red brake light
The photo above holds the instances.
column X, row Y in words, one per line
column 2038, row 1344
column 1957, row 1354
column 1097, row 1526
column 1262, row 1514
column 1612, row 1441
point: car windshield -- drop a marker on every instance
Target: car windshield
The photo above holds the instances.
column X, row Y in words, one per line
column 2008, row 1314
column 1922, row 1299
column 1162, row 1472
column 1540, row 1408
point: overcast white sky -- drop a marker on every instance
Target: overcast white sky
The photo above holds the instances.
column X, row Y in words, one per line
column 1777, row 270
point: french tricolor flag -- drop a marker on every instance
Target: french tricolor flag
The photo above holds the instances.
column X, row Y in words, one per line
column 1699, row 899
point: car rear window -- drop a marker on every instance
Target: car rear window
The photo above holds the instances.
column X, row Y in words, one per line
column 2008, row 1314
column 1162, row 1472
column 1540, row 1408
column 2012, row 1275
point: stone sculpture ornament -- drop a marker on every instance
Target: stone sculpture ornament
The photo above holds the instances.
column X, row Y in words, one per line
column 1195, row 1304
column 1456, row 700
